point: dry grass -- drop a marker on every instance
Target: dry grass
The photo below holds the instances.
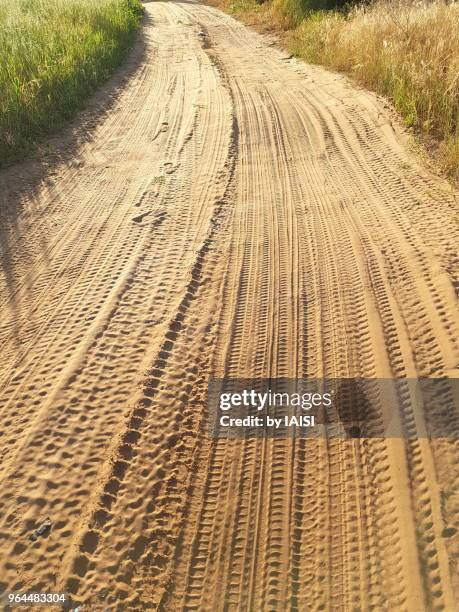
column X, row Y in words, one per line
column 408, row 51
column 405, row 50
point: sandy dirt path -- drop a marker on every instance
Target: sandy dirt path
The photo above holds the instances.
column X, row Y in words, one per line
column 231, row 212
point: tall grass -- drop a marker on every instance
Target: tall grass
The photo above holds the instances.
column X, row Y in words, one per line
column 406, row 50
column 52, row 55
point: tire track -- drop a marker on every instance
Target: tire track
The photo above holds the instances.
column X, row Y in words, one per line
column 232, row 214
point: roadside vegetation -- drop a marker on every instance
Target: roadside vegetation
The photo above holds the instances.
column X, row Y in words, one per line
column 53, row 53
column 407, row 50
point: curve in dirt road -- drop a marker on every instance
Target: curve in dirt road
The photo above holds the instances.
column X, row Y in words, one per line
column 236, row 213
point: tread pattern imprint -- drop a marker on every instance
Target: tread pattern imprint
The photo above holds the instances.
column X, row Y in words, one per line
column 233, row 212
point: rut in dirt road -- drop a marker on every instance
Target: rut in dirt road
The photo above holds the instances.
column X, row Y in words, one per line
column 232, row 213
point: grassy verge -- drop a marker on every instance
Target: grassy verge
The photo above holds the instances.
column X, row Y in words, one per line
column 405, row 50
column 53, row 53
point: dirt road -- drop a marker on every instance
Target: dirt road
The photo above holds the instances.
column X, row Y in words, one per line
column 222, row 209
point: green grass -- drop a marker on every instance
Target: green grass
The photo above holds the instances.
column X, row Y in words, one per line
column 290, row 13
column 53, row 53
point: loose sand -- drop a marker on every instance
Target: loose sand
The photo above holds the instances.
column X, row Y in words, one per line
column 230, row 212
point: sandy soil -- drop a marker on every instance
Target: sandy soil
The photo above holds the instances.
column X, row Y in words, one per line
column 222, row 209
